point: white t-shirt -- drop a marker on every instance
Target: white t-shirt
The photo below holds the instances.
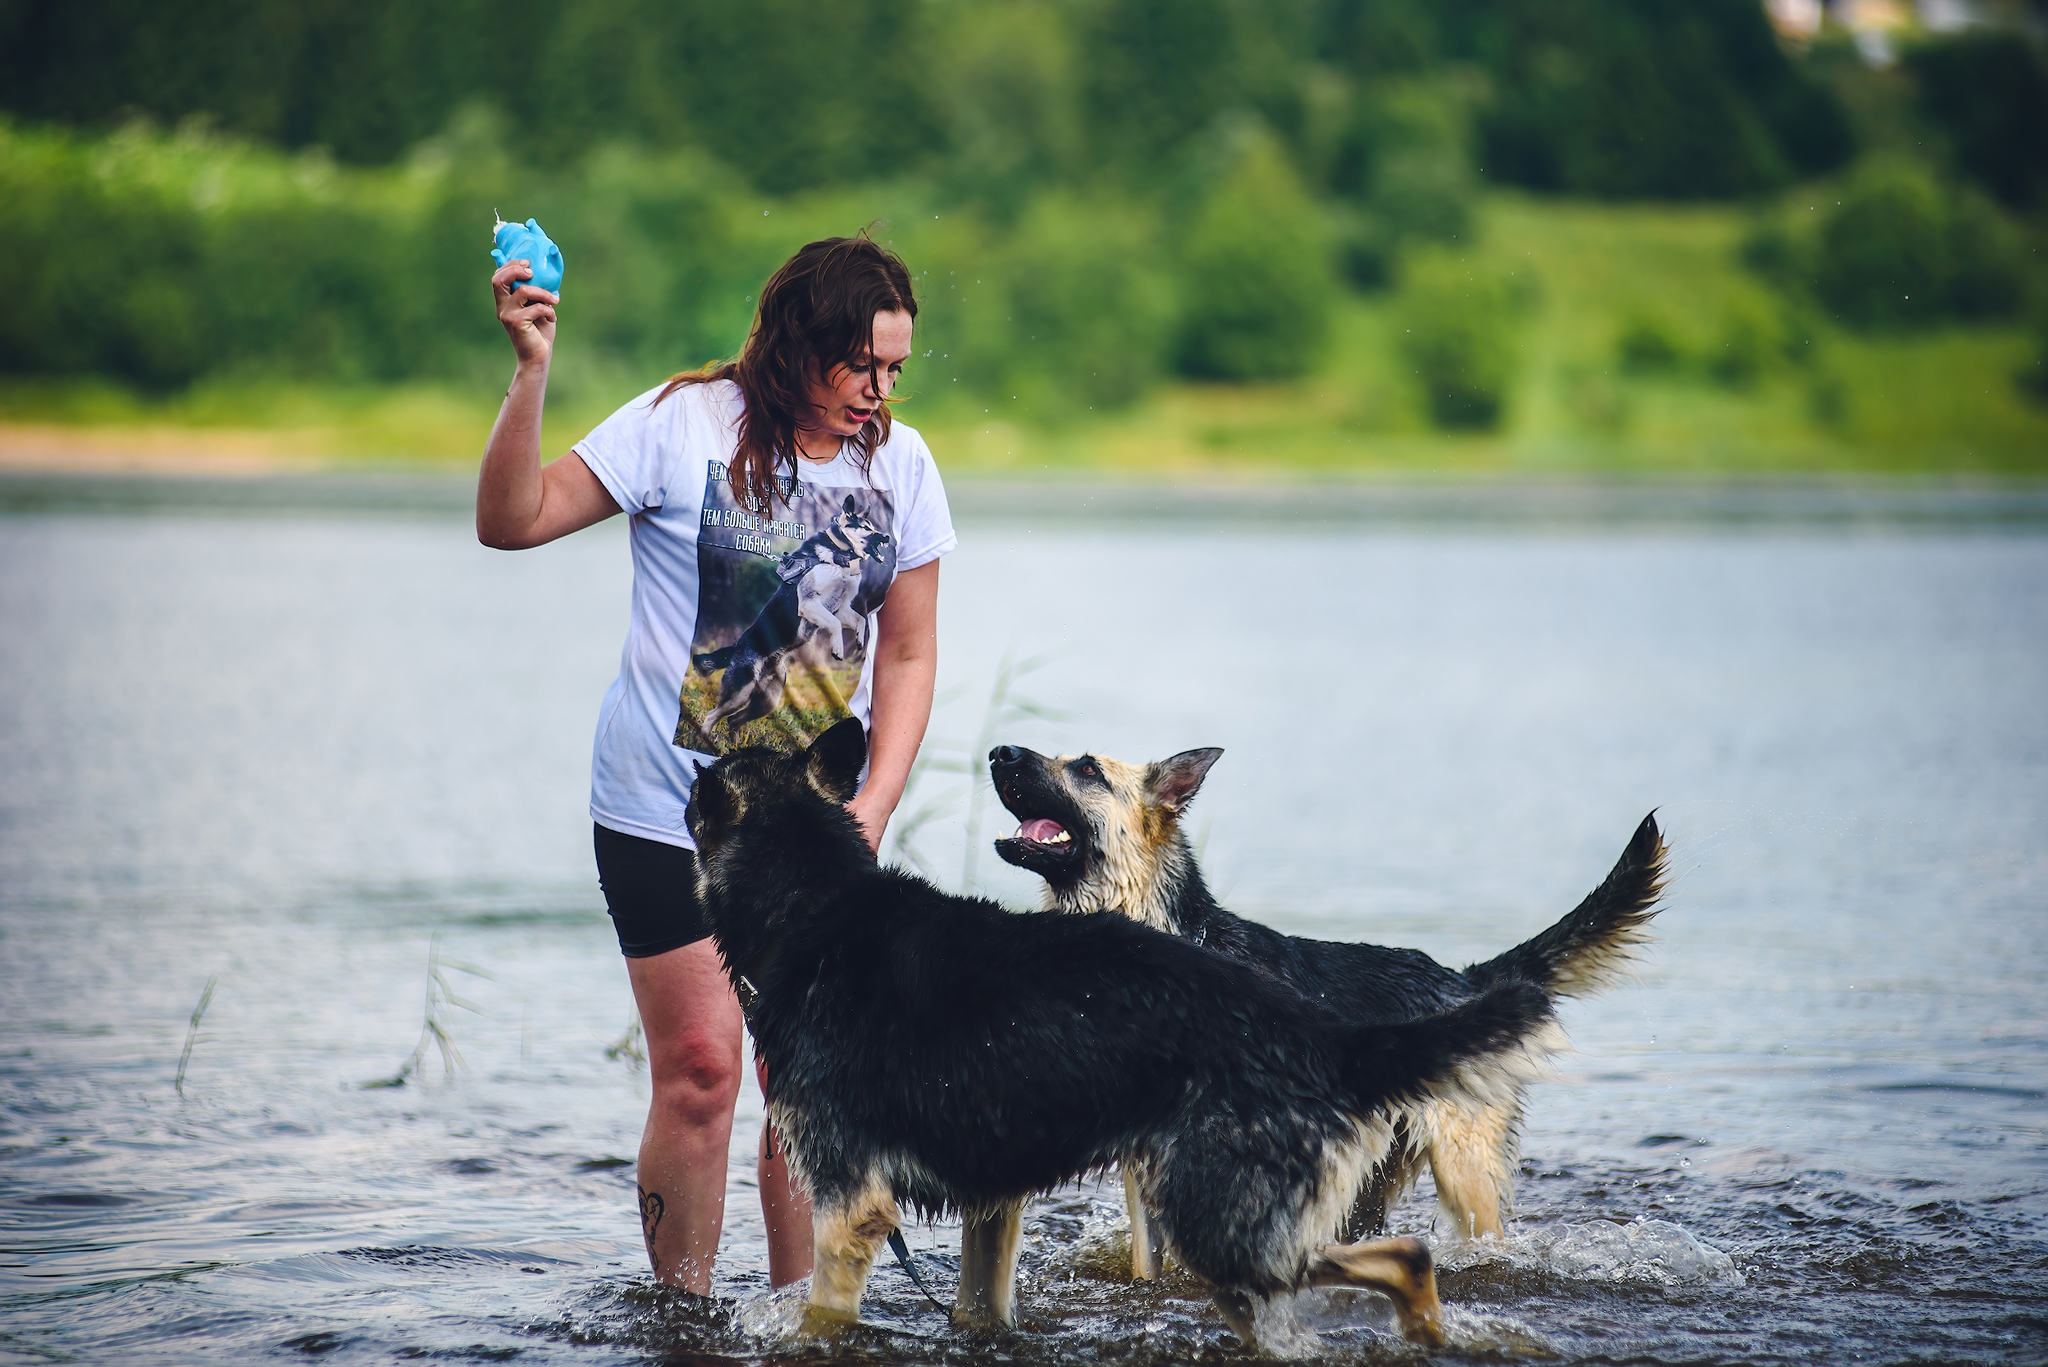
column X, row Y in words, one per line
column 746, row 629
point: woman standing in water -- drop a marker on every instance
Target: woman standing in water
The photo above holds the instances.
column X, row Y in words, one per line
column 786, row 539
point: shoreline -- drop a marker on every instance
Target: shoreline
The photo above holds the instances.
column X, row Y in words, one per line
column 58, row 449
column 165, row 478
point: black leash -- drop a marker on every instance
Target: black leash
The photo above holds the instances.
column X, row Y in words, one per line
column 902, row 1252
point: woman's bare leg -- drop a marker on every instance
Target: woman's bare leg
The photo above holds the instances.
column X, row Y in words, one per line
column 785, row 1206
column 693, row 1028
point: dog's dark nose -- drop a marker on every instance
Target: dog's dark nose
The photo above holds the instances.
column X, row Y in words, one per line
column 1005, row 755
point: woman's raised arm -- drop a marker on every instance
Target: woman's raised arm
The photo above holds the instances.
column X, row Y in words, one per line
column 520, row 503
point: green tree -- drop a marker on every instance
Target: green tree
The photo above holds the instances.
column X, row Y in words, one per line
column 1457, row 324
column 1988, row 91
column 1902, row 250
column 1255, row 271
column 1630, row 98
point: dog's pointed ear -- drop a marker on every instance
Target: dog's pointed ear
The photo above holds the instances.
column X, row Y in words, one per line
column 834, row 760
column 1173, row 783
column 849, row 503
column 713, row 804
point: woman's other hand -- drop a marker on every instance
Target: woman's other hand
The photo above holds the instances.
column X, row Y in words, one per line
column 527, row 312
column 906, row 666
column 872, row 809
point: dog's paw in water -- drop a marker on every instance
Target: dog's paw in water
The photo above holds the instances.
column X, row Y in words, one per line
column 824, row 1325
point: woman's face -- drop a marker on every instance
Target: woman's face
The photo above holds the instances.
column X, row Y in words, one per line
column 849, row 396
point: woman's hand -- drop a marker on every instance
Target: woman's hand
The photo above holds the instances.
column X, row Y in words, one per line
column 906, row 664
column 872, row 808
column 527, row 313
column 518, row 502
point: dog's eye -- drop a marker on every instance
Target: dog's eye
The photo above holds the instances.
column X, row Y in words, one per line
column 1088, row 769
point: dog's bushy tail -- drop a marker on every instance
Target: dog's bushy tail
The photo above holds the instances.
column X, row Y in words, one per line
column 717, row 659
column 1591, row 947
column 1481, row 1051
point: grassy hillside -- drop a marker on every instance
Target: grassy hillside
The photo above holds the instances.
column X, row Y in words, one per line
column 1810, row 398
column 1735, row 380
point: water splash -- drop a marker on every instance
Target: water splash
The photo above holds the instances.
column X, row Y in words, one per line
column 1644, row 1251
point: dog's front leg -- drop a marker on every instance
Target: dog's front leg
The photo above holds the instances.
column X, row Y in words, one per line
column 1401, row 1268
column 845, row 1234
column 988, row 1268
column 1148, row 1244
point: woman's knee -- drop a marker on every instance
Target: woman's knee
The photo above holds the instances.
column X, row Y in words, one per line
column 696, row 1077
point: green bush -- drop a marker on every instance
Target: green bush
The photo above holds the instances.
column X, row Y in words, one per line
column 1458, row 329
column 160, row 259
column 1901, row 250
column 2032, row 376
column 1255, row 273
column 157, row 259
column 1986, row 259
column 1883, row 257
column 1065, row 310
column 1403, row 172
column 1649, row 343
column 1750, row 342
column 1092, row 315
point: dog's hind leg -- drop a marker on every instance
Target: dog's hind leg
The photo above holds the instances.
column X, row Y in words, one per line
column 846, row 1232
column 1472, row 1157
column 1400, row 1268
column 1148, row 1244
column 989, row 1241
column 1368, row 1216
column 1387, row 1183
column 1238, row 1312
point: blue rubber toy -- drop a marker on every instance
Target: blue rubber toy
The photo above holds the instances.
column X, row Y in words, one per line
column 526, row 242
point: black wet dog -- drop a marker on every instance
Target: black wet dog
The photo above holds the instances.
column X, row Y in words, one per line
column 941, row 1052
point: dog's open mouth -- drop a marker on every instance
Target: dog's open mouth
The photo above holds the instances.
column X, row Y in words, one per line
column 1043, row 831
column 1042, row 846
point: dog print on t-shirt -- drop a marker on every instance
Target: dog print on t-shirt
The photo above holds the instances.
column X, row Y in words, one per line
column 783, row 603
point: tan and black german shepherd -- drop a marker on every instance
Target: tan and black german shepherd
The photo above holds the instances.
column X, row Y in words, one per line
column 1105, row 835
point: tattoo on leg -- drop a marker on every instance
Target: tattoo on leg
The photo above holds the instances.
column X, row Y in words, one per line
column 651, row 1208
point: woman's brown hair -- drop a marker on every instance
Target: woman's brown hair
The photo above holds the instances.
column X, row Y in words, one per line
column 817, row 313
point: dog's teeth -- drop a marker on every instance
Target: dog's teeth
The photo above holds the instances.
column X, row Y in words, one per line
column 1060, row 839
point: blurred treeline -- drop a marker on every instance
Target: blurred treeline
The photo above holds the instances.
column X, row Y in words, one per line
column 1097, row 194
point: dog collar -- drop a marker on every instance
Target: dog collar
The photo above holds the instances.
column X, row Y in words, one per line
column 744, row 989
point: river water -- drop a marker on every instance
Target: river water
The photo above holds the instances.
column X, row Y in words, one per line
column 309, row 756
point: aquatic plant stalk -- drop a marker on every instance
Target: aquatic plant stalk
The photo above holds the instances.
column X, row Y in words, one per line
column 629, row 1046
column 192, row 1030
column 432, row 1031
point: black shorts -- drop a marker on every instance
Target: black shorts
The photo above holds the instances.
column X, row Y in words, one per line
column 651, row 891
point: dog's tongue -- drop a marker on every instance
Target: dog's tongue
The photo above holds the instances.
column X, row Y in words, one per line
column 1040, row 830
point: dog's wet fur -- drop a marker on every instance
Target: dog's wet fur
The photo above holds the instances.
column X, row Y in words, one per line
column 938, row 1052
column 1106, row 836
